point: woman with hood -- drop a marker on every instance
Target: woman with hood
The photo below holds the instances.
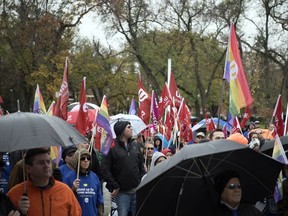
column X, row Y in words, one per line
column 157, row 144
column 87, row 186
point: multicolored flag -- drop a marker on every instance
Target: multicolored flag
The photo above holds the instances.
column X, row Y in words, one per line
column 61, row 108
column 51, row 109
column 103, row 120
column 82, row 121
column 132, row 109
column 278, row 117
column 240, row 95
column 39, row 106
column 279, row 155
column 144, row 102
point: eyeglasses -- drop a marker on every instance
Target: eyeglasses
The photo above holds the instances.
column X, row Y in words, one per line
column 149, row 148
column 84, row 158
column 233, row 186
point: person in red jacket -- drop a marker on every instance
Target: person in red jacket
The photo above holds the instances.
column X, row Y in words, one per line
column 44, row 195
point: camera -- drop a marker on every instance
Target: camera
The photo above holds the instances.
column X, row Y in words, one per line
column 254, row 143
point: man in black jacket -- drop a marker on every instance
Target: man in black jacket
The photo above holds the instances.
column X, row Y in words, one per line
column 123, row 168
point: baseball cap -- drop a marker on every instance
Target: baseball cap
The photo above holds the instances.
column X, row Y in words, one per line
column 200, row 134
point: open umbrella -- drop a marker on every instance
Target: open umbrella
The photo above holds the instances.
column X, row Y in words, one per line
column 183, row 185
column 24, row 130
column 202, row 124
column 137, row 124
column 267, row 147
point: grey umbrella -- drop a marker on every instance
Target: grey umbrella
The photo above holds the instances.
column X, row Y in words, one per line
column 184, row 184
column 24, row 130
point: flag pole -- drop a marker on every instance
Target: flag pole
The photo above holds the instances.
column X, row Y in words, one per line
column 286, row 118
column 169, row 71
column 221, row 102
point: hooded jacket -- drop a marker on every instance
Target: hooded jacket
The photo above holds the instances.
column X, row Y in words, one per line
column 155, row 157
column 57, row 199
column 123, row 168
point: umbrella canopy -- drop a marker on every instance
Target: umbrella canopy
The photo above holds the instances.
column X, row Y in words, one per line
column 268, row 146
column 76, row 105
column 202, row 124
column 137, row 124
column 24, row 130
column 72, row 116
column 184, row 184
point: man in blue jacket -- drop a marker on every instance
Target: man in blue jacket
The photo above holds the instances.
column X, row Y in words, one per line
column 123, row 169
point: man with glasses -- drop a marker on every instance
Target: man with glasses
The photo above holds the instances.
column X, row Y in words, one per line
column 228, row 186
column 123, row 168
column 148, row 153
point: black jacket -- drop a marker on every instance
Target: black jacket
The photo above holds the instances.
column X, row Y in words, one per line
column 6, row 205
column 123, row 168
column 244, row 209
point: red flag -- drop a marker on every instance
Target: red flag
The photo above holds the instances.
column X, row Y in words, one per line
column 174, row 91
column 278, row 118
column 185, row 122
column 235, row 126
column 246, row 117
column 97, row 144
column 62, row 102
column 169, row 122
column 144, row 102
column 82, row 122
column 154, row 110
column 210, row 126
column 164, row 101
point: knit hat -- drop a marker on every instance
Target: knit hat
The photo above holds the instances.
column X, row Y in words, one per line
column 222, row 179
column 237, row 137
column 166, row 150
column 68, row 150
column 81, row 151
column 119, row 127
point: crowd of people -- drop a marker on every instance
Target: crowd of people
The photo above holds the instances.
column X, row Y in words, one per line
column 75, row 187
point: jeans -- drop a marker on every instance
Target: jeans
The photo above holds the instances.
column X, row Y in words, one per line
column 126, row 202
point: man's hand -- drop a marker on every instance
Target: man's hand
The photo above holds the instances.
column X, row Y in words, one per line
column 14, row 213
column 23, row 204
column 115, row 193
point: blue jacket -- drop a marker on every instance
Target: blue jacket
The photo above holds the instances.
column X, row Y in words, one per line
column 89, row 192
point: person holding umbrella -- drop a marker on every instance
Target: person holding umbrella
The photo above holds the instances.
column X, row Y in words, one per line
column 228, row 186
column 43, row 195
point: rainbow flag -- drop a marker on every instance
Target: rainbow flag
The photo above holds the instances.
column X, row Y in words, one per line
column 39, row 106
column 279, row 155
column 103, row 120
column 51, row 109
column 240, row 95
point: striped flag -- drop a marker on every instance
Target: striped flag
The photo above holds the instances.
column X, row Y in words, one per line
column 103, row 120
column 279, row 155
column 39, row 106
column 240, row 95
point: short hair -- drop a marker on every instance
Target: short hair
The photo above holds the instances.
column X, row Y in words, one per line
column 33, row 152
column 212, row 133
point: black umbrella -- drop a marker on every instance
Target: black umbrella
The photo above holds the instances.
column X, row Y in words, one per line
column 24, row 130
column 183, row 185
column 268, row 145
